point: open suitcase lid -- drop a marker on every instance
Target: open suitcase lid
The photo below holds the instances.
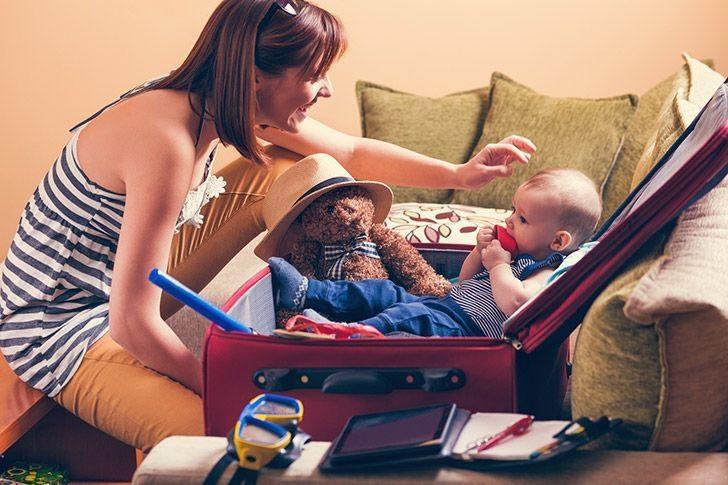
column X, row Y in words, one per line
column 694, row 164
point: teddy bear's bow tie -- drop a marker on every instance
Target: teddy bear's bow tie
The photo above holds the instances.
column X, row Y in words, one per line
column 336, row 254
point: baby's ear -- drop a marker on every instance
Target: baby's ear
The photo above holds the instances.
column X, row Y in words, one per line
column 562, row 240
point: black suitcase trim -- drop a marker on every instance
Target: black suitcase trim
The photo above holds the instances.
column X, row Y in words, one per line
column 347, row 380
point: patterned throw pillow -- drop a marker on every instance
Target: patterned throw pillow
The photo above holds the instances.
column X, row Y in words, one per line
column 584, row 134
column 445, row 128
column 441, row 223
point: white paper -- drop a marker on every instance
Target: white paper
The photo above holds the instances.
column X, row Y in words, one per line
column 483, row 425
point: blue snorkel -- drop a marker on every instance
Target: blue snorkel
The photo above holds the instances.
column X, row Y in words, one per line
column 196, row 302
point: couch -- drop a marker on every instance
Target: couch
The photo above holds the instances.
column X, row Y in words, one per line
column 642, row 354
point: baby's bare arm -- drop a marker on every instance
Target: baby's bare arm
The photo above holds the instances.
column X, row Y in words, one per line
column 509, row 292
column 473, row 263
column 471, row 266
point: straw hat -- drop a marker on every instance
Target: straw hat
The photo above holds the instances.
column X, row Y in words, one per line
column 299, row 186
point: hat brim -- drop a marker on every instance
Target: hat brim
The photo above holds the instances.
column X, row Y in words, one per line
column 381, row 196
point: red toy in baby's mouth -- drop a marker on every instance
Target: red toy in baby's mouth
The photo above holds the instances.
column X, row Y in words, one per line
column 506, row 240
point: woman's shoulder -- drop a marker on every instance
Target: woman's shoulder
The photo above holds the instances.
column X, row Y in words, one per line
column 156, row 125
column 151, row 113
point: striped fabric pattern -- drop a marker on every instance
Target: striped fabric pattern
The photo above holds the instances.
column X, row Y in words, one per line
column 475, row 295
column 56, row 278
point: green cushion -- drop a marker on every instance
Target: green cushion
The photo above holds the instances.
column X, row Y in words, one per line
column 639, row 129
column 617, row 361
column 636, row 355
column 694, row 85
column 569, row 132
column 651, row 349
column 684, row 297
column 445, row 128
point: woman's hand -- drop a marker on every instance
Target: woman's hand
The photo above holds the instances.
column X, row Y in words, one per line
column 494, row 254
column 495, row 160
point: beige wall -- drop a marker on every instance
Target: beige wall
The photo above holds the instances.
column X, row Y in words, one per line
column 62, row 60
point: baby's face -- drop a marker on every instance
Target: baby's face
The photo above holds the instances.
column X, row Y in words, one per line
column 534, row 222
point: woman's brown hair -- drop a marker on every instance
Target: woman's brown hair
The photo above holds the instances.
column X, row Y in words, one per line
column 244, row 34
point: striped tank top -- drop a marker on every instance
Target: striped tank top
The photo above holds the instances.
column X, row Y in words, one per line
column 56, row 278
column 475, row 295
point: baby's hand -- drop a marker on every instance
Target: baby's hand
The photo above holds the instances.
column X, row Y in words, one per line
column 494, row 254
column 485, row 235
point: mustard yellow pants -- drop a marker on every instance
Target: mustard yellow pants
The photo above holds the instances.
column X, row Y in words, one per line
column 113, row 391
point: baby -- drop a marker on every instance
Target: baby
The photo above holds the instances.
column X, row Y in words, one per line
column 553, row 213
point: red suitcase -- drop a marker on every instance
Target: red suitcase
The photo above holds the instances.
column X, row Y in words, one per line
column 525, row 372
column 336, row 379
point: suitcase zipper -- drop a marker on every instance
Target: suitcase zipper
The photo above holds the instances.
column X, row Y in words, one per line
column 515, row 343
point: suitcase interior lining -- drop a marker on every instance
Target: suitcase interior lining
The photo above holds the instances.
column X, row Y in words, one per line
column 447, row 262
column 255, row 307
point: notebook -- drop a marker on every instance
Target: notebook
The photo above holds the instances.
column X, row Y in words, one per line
column 483, row 425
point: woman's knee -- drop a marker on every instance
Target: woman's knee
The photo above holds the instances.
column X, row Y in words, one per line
column 117, row 394
column 140, row 421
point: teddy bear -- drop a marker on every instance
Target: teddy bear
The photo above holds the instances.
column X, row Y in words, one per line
column 339, row 240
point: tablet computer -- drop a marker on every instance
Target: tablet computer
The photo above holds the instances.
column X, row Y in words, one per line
column 393, row 435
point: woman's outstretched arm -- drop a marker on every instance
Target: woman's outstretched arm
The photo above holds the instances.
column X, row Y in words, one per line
column 377, row 160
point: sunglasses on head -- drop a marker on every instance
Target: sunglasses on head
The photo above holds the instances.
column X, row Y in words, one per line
column 286, row 6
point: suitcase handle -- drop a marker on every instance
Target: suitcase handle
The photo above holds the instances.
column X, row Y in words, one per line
column 347, row 380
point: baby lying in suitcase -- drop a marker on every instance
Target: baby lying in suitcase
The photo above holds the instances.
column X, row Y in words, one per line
column 553, row 213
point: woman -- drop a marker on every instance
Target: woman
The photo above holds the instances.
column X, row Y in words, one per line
column 111, row 203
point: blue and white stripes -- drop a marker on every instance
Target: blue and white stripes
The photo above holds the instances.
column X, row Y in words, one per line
column 475, row 295
column 56, row 278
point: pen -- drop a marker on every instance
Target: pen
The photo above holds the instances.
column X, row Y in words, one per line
column 196, row 302
column 516, row 429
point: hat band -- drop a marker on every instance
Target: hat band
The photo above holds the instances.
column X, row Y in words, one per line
column 324, row 184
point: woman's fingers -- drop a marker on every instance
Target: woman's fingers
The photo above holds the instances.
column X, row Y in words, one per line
column 521, row 142
column 509, row 152
column 496, row 160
